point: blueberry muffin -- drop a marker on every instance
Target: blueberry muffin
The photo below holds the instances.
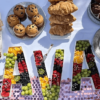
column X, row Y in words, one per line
column 19, row 10
column 38, row 20
column 13, row 20
column 19, row 30
column 31, row 10
column 32, row 30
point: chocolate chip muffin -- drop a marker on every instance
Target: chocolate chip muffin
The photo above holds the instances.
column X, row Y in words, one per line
column 32, row 30
column 31, row 10
column 19, row 10
column 19, row 30
column 38, row 20
column 13, row 20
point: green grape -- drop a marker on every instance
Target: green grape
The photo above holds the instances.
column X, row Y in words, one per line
column 22, row 93
column 5, row 54
column 85, row 69
column 75, row 77
column 82, row 75
column 79, row 77
column 11, row 55
column 43, row 90
column 58, row 90
column 53, row 94
column 10, row 59
column 56, row 98
column 44, row 94
column 7, row 62
column 23, row 87
column 89, row 72
column 73, row 80
column 83, row 49
column 85, row 73
column 80, row 45
column 50, row 96
column 79, row 82
column 48, row 87
column 13, row 62
column 61, row 58
column 54, row 86
column 8, row 54
column 77, row 48
column 6, row 65
column 26, row 92
column 57, row 51
column 45, row 98
column 15, row 57
column 52, row 89
column 62, row 55
column 78, row 74
column 10, row 64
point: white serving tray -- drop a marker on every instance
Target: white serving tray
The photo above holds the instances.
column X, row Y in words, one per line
column 15, row 72
column 86, row 68
column 1, row 43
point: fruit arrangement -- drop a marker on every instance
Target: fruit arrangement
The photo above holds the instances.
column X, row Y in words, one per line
column 84, row 47
column 6, row 87
column 16, row 54
column 24, row 75
column 57, row 69
column 50, row 92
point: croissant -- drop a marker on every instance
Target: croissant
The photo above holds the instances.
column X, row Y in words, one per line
column 52, row 24
column 60, row 30
column 62, row 8
column 57, row 19
column 56, row 1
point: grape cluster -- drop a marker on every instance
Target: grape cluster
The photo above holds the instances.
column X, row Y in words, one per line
column 26, row 90
column 59, row 54
column 82, row 45
column 51, row 93
column 10, row 60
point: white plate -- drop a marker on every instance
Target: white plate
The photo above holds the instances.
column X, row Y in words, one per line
column 27, row 21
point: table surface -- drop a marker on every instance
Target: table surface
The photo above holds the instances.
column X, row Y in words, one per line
column 84, row 29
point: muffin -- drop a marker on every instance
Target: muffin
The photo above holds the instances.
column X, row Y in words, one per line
column 19, row 10
column 13, row 20
column 31, row 10
column 32, row 30
column 38, row 20
column 95, row 8
column 19, row 30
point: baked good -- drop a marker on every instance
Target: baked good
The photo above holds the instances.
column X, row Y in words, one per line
column 56, row 1
column 62, row 8
column 52, row 24
column 13, row 20
column 19, row 30
column 38, row 20
column 32, row 10
column 31, row 30
column 60, row 30
column 1, row 23
column 95, row 8
column 57, row 19
column 19, row 10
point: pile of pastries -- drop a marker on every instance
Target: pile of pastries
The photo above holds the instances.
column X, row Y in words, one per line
column 60, row 16
column 20, row 14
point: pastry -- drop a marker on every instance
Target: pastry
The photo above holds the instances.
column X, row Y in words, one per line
column 38, row 20
column 62, row 8
column 19, row 30
column 1, row 24
column 57, row 19
column 13, row 20
column 95, row 8
column 56, row 1
column 31, row 30
column 19, row 10
column 31, row 10
column 52, row 24
column 60, row 30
